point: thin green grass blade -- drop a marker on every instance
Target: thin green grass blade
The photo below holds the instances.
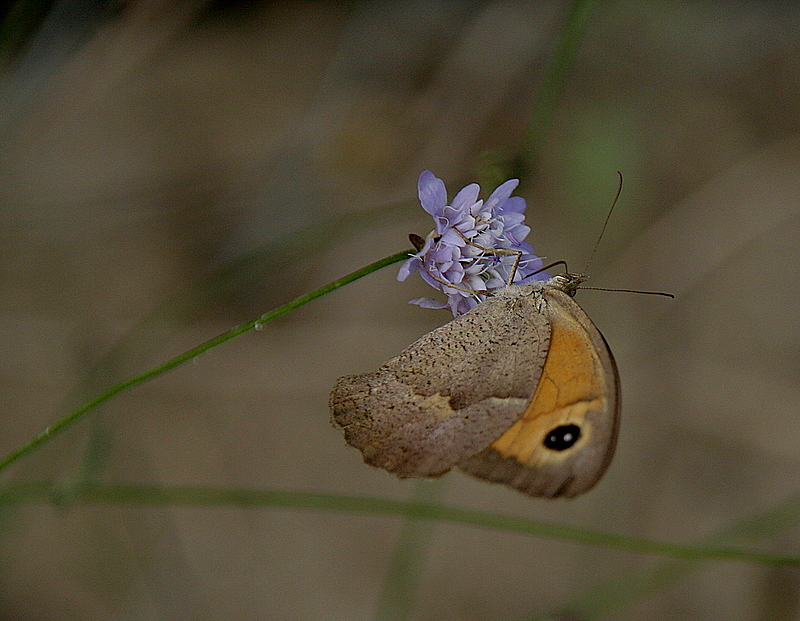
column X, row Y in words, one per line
column 399, row 592
column 610, row 597
column 558, row 71
column 108, row 493
column 60, row 425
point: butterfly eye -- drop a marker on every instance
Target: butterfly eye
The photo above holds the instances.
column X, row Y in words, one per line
column 562, row 437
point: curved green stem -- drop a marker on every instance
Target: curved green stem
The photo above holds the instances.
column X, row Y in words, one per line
column 21, row 493
column 556, row 74
column 60, row 425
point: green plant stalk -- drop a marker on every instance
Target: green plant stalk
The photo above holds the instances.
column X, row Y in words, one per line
column 537, row 130
column 399, row 591
column 60, row 425
column 108, row 493
column 556, row 73
column 606, row 599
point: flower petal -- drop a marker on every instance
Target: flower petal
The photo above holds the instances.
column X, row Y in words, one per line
column 466, row 197
column 408, row 268
column 427, row 303
column 502, row 192
column 432, row 193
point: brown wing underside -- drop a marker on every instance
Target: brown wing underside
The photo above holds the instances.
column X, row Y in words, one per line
column 579, row 386
column 451, row 393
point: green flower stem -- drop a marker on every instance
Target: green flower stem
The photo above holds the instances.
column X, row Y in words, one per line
column 113, row 493
column 606, row 599
column 556, row 74
column 59, row 426
column 401, row 584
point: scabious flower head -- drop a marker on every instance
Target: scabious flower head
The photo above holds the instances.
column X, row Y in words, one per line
column 474, row 245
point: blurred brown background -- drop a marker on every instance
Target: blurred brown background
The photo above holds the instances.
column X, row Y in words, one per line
column 147, row 145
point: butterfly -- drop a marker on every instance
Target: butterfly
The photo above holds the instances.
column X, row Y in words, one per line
column 521, row 390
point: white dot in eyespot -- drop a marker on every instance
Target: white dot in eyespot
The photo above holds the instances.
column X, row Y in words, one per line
column 562, row 437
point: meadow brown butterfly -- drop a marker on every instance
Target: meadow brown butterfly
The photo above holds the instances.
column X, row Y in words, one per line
column 521, row 390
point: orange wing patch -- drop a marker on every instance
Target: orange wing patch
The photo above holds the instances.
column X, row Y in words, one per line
column 571, row 385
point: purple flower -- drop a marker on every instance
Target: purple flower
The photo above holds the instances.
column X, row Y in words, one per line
column 474, row 245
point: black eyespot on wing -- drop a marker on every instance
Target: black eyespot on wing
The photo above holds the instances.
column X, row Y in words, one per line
column 562, row 437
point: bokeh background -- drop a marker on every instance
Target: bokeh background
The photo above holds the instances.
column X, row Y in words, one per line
column 171, row 169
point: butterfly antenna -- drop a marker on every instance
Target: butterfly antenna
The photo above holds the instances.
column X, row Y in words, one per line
column 605, row 224
column 597, row 243
column 548, row 266
column 662, row 293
